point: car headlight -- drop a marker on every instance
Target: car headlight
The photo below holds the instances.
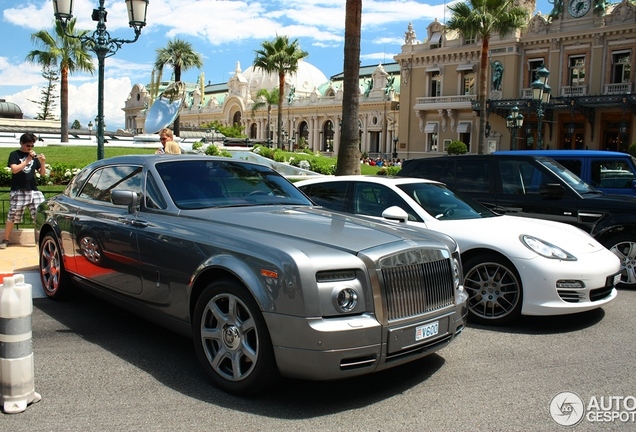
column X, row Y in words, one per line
column 345, row 299
column 545, row 249
column 457, row 272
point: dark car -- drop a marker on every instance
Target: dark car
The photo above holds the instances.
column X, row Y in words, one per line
column 539, row 187
column 607, row 171
column 232, row 254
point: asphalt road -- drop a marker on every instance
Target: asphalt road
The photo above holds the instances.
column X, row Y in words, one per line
column 99, row 368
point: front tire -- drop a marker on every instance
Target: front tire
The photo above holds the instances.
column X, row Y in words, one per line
column 494, row 290
column 231, row 339
column 55, row 280
column 624, row 247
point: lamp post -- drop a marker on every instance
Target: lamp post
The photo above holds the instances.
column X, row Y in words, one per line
column 102, row 45
column 395, row 152
column 514, row 121
column 90, row 130
column 541, row 95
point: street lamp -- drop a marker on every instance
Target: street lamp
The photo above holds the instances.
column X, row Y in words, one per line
column 102, row 45
column 514, row 121
column 395, row 152
column 541, row 95
column 90, row 129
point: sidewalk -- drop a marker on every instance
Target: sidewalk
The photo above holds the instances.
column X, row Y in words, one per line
column 21, row 256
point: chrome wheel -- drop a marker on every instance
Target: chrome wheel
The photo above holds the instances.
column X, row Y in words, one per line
column 625, row 250
column 52, row 274
column 494, row 290
column 232, row 342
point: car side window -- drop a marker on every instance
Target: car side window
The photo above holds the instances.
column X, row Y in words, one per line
column 373, row 199
column 521, row 177
column 153, row 198
column 611, row 173
column 472, row 175
column 331, row 195
column 573, row 165
column 105, row 180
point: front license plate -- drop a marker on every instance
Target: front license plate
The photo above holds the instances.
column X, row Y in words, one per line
column 426, row 331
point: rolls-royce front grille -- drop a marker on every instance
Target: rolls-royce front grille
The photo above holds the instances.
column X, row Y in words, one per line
column 419, row 288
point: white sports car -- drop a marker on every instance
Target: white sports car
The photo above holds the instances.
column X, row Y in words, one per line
column 512, row 265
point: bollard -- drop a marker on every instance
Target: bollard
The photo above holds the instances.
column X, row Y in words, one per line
column 17, row 388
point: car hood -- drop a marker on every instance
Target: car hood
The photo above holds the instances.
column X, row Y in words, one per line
column 318, row 225
column 504, row 232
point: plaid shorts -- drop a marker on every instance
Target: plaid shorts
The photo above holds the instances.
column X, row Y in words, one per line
column 21, row 199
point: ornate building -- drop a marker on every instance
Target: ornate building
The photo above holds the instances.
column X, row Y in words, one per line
column 312, row 107
column 587, row 46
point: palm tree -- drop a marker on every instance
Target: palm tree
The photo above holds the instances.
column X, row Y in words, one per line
column 484, row 18
column 349, row 150
column 64, row 52
column 180, row 55
column 281, row 57
column 269, row 98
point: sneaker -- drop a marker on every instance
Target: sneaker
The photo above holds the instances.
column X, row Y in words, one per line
column 4, row 244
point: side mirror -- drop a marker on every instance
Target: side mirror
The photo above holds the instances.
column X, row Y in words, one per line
column 125, row 197
column 552, row 190
column 395, row 213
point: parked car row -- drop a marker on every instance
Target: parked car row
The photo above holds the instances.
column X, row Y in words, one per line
column 339, row 276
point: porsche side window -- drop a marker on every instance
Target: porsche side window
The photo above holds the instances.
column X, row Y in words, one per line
column 103, row 181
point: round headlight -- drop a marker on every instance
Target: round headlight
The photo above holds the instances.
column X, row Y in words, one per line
column 346, row 300
column 457, row 274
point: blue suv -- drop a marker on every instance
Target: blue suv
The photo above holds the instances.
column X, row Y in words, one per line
column 610, row 172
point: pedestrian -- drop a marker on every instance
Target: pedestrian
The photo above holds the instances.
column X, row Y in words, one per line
column 24, row 164
column 172, row 147
column 165, row 135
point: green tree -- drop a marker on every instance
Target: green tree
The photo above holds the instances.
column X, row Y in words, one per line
column 179, row 55
column 65, row 53
column 76, row 125
column 279, row 56
column 47, row 99
column 267, row 98
column 349, row 150
column 485, row 18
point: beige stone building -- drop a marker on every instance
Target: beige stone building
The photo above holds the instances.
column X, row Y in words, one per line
column 587, row 46
column 312, row 108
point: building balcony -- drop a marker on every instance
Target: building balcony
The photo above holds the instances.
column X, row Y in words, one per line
column 443, row 102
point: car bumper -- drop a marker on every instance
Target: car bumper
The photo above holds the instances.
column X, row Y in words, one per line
column 543, row 297
column 334, row 348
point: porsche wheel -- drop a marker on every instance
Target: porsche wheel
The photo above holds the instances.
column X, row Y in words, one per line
column 494, row 290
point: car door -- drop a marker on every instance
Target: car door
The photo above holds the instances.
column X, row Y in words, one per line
column 526, row 188
column 104, row 234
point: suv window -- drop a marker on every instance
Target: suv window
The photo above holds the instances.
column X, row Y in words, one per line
column 521, row 177
column 611, row 173
column 472, row 175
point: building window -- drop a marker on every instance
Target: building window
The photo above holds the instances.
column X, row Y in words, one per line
column 432, row 142
column 577, row 71
column 533, row 66
column 469, row 40
column 436, row 40
column 469, row 83
column 436, row 84
column 621, row 67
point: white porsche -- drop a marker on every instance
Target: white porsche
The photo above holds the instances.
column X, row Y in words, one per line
column 512, row 265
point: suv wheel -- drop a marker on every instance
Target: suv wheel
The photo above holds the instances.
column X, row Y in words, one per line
column 624, row 247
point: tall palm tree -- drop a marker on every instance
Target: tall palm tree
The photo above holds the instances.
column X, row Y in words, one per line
column 180, row 55
column 279, row 56
column 484, row 18
column 267, row 98
column 64, row 52
column 349, row 150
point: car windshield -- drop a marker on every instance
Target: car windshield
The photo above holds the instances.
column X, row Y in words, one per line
column 194, row 184
column 444, row 204
column 569, row 177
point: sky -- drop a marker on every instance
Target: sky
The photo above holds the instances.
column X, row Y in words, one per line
column 224, row 32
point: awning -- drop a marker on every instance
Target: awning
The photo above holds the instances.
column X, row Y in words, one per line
column 465, row 67
column 463, row 127
column 433, row 69
column 435, row 38
column 431, row 128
